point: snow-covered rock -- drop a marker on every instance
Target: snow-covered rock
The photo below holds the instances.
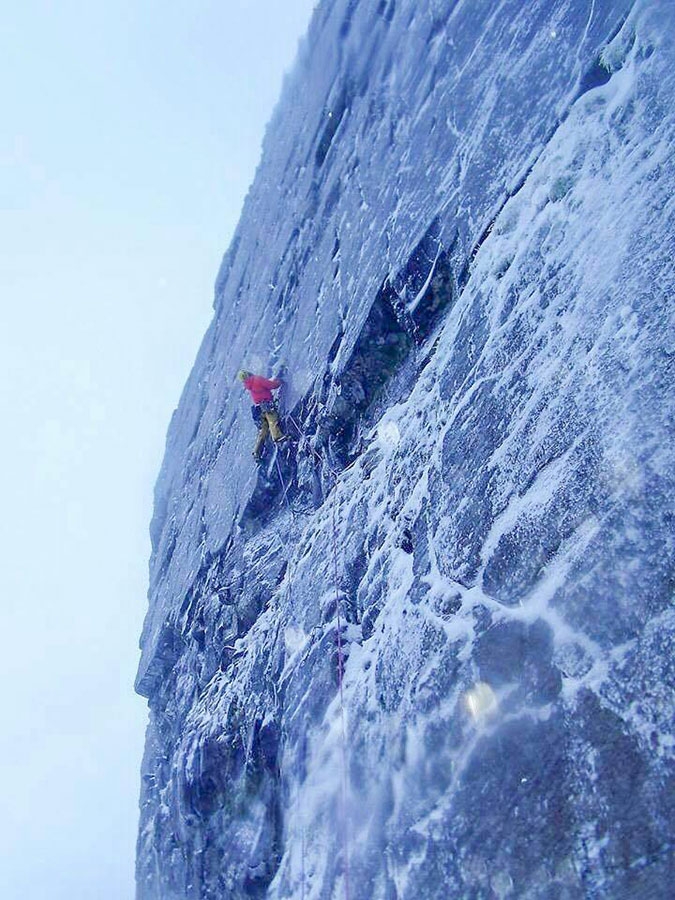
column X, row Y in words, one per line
column 429, row 652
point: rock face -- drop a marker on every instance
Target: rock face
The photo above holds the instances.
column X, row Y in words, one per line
column 429, row 651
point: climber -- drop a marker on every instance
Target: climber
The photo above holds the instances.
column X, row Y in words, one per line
column 265, row 411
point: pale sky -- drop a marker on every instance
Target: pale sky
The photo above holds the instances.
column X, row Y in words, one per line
column 129, row 134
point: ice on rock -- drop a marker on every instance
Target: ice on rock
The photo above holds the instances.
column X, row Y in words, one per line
column 429, row 653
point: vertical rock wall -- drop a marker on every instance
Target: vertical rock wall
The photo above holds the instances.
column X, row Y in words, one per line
column 459, row 245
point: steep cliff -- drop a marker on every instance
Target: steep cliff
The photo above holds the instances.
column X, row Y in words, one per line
column 428, row 652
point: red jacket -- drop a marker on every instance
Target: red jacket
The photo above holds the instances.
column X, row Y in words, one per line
column 261, row 388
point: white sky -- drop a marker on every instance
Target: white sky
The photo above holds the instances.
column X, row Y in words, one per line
column 129, row 133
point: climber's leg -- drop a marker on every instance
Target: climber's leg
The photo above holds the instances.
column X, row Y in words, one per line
column 261, row 438
column 271, row 416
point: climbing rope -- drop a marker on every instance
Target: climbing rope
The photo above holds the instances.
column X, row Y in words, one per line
column 288, row 599
column 341, row 667
column 314, row 453
column 283, row 485
column 302, row 852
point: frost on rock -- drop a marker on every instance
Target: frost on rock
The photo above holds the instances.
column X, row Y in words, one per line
column 459, row 243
